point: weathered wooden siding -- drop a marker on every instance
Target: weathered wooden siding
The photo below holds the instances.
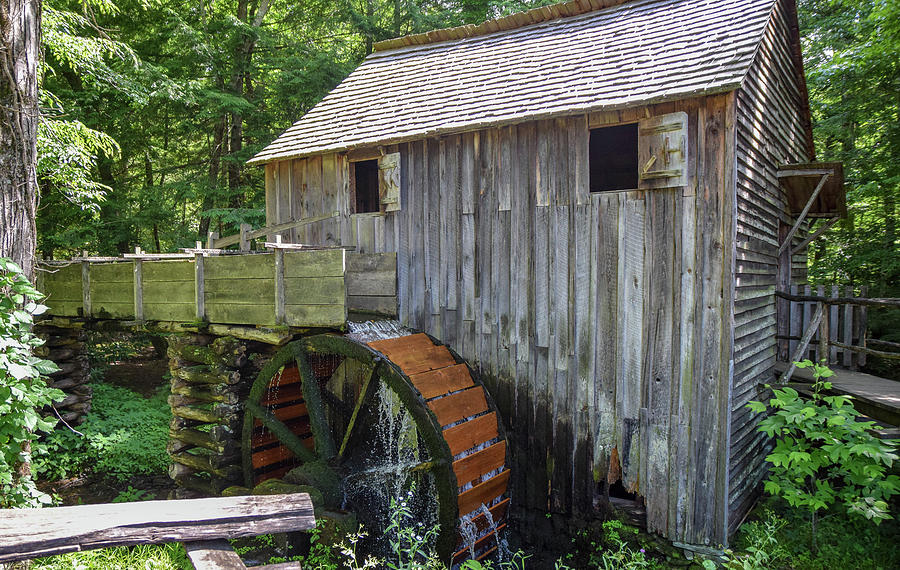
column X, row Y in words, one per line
column 602, row 322
column 770, row 132
column 309, row 187
column 294, row 288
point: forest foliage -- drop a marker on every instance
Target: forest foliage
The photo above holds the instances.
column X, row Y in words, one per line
column 155, row 105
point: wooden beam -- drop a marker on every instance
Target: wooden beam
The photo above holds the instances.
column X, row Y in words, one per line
column 787, row 240
column 804, row 343
column 273, row 229
column 213, row 555
column 244, row 237
column 30, row 533
column 822, row 229
column 155, row 256
column 785, row 173
column 862, row 301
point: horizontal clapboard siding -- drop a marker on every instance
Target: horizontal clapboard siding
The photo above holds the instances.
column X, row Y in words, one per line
column 770, row 132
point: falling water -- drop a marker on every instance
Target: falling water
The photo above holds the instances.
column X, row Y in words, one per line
column 368, row 331
column 389, row 471
column 469, row 531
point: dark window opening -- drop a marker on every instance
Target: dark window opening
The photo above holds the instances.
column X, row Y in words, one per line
column 365, row 175
column 614, row 158
column 618, row 491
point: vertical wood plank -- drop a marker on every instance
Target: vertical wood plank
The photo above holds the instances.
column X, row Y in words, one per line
column 403, row 238
column 271, row 192
column 609, row 348
column 418, row 197
column 199, row 288
column 331, row 184
column 580, row 139
column 86, row 288
column 279, row 286
column 138, row 289
column 298, row 183
column 631, row 305
column 313, row 199
column 659, row 276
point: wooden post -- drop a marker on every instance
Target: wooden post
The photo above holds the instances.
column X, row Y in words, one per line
column 86, row 286
column 847, row 329
column 862, row 325
column 211, row 240
column 245, row 238
column 804, row 344
column 199, row 288
column 279, row 282
column 138, row 287
column 783, row 306
column 786, row 244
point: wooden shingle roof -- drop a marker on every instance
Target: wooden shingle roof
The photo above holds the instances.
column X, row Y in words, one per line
column 631, row 54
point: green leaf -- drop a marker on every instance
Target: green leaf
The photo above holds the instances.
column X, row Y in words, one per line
column 757, row 407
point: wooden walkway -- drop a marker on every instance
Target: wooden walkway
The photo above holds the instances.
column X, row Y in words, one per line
column 878, row 398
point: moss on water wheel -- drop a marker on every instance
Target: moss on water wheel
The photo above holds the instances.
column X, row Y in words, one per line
column 402, row 418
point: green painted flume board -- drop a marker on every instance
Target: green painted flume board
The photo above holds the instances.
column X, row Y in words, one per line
column 293, row 288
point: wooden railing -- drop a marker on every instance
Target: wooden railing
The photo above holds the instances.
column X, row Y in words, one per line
column 314, row 288
column 247, row 232
column 825, row 325
column 203, row 525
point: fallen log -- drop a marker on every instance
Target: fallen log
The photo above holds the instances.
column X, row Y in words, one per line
column 30, row 533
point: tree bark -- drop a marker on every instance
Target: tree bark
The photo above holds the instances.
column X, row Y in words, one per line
column 19, row 114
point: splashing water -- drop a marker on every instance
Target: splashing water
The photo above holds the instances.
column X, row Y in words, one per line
column 368, row 331
column 390, row 466
column 469, row 531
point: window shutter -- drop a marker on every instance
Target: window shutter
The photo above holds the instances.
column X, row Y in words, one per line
column 662, row 151
column 389, row 181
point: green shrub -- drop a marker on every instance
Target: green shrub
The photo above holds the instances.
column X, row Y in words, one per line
column 823, row 455
column 23, row 390
column 125, row 434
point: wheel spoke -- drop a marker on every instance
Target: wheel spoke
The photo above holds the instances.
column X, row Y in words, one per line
column 281, row 431
column 363, row 394
column 315, row 407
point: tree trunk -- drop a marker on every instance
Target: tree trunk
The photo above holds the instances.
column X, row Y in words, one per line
column 19, row 113
column 215, row 160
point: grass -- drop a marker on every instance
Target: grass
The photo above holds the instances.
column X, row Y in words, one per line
column 146, row 557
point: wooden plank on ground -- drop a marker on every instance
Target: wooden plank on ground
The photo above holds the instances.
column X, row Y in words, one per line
column 29, row 533
column 213, row 555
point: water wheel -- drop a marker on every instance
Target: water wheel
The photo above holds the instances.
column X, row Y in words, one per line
column 362, row 423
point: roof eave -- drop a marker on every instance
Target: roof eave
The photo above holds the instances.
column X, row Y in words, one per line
column 261, row 158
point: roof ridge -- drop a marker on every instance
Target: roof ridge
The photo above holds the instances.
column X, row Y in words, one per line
column 510, row 22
